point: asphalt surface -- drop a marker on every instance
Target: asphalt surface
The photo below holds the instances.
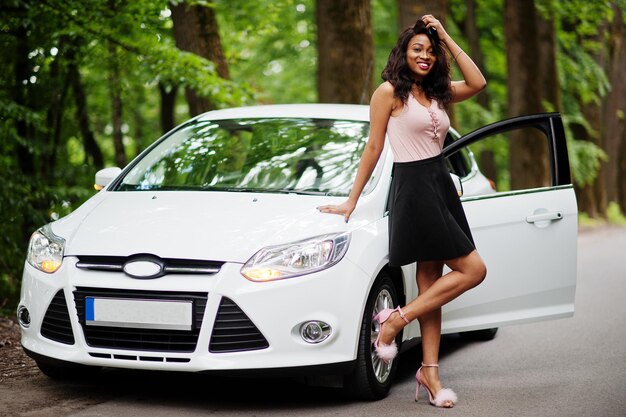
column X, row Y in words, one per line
column 569, row 367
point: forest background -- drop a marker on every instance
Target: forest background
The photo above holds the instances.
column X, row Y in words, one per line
column 86, row 84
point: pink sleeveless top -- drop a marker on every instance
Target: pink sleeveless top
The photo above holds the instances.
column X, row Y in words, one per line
column 417, row 132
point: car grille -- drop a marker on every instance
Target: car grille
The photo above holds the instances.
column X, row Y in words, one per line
column 56, row 323
column 233, row 331
column 141, row 339
column 170, row 266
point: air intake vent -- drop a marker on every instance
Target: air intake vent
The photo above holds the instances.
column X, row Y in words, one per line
column 142, row 339
column 56, row 323
column 233, row 331
column 141, row 358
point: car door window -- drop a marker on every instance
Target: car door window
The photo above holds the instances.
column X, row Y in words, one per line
column 515, row 160
column 518, row 154
column 460, row 163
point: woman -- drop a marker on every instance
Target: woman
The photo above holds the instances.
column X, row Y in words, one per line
column 427, row 224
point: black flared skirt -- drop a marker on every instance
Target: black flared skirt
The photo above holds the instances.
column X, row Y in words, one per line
column 426, row 218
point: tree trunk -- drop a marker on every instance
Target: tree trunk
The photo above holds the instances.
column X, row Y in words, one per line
column 411, row 10
column 614, row 106
column 92, row 150
column 470, row 30
column 25, row 157
column 139, row 133
column 115, row 90
column 622, row 170
column 584, row 194
column 345, row 51
column 592, row 114
column 168, row 105
column 548, row 74
column 196, row 31
column 528, row 156
column 54, row 116
column 593, row 198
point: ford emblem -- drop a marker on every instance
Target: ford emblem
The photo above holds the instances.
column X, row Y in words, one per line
column 141, row 268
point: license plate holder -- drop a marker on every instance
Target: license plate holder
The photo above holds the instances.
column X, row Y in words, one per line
column 139, row 313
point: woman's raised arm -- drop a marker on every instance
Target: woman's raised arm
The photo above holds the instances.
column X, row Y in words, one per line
column 473, row 80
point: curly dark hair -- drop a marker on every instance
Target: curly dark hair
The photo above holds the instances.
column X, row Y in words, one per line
column 436, row 85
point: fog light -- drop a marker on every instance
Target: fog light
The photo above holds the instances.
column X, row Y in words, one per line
column 23, row 316
column 315, row 331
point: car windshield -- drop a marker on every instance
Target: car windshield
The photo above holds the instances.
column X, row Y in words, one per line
column 283, row 155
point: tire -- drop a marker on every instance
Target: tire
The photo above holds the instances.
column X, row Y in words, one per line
column 66, row 371
column 482, row 335
column 371, row 379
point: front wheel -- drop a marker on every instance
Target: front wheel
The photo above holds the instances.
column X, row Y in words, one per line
column 371, row 378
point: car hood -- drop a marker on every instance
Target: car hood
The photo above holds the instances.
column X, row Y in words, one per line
column 216, row 226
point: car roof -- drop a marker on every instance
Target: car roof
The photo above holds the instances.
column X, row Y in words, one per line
column 313, row 111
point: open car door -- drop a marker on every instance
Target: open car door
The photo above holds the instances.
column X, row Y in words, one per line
column 527, row 237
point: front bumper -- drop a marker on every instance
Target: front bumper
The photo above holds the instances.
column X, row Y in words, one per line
column 276, row 309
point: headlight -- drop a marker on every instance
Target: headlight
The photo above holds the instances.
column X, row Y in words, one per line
column 45, row 250
column 295, row 259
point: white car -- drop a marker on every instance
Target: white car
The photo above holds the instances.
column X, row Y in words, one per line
column 207, row 253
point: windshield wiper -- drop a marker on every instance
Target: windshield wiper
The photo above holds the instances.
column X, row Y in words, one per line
column 302, row 192
column 273, row 190
column 128, row 187
column 240, row 190
column 136, row 187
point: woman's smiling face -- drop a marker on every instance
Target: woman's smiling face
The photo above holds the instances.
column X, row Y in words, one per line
column 420, row 56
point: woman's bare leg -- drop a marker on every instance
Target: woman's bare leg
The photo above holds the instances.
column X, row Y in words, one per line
column 467, row 272
column 430, row 324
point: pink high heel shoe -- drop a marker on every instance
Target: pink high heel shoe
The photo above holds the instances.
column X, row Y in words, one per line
column 386, row 352
column 445, row 397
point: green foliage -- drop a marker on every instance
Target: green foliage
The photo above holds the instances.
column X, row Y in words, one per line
column 585, row 220
column 138, row 28
column 615, row 215
column 272, row 47
column 490, row 25
column 585, row 157
column 11, row 112
column 19, row 205
column 580, row 42
column 581, row 77
column 386, row 31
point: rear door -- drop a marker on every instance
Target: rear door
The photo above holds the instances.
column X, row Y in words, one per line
column 525, row 233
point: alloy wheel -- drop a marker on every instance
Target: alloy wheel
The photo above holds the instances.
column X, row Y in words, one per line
column 381, row 369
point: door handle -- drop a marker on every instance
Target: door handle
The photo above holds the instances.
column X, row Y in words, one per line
column 542, row 217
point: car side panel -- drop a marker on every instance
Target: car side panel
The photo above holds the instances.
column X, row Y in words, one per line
column 531, row 266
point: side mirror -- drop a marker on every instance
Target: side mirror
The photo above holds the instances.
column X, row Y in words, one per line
column 105, row 176
column 457, row 184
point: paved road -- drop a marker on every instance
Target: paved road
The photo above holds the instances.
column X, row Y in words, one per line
column 568, row 367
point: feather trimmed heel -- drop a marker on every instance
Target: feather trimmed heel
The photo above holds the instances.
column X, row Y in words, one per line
column 386, row 352
column 445, row 397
